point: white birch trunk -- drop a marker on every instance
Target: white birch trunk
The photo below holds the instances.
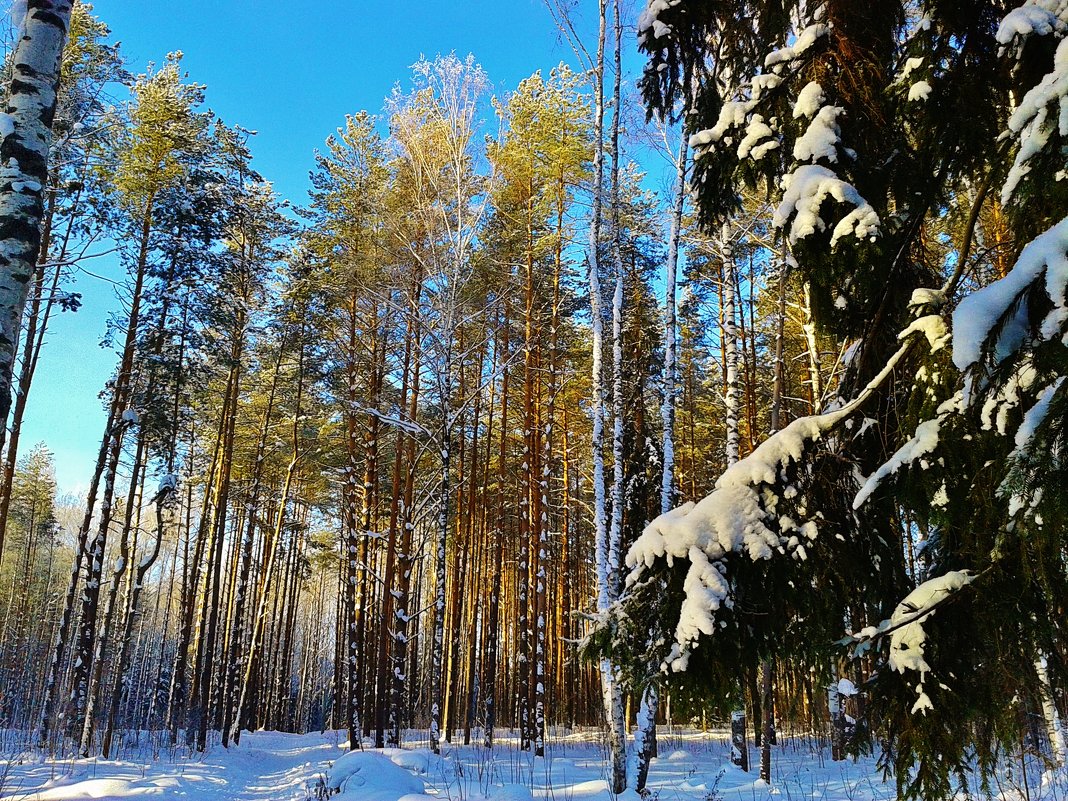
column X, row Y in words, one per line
column 611, row 697
column 815, row 372
column 438, row 644
column 667, row 409
column 730, row 348
column 645, row 737
column 617, row 724
column 1054, row 729
column 25, row 139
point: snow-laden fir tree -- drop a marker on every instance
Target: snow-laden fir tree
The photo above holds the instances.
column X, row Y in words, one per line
column 889, row 137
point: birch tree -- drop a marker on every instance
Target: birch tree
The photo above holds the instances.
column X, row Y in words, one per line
column 25, row 141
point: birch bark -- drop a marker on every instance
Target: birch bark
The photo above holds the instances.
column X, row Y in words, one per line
column 25, row 141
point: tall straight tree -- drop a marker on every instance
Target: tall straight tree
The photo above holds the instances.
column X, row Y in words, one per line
column 435, row 127
column 25, row 141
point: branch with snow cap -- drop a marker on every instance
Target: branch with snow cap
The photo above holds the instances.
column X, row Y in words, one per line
column 993, row 317
column 739, row 517
column 1044, row 108
column 649, row 20
column 907, row 634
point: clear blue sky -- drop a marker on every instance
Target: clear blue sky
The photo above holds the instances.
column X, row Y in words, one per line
column 290, row 71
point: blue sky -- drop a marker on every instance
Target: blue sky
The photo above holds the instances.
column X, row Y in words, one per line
column 290, row 71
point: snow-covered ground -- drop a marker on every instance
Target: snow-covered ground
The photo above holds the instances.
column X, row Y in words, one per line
column 270, row 766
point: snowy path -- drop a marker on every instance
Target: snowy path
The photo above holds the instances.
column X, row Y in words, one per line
column 267, row 766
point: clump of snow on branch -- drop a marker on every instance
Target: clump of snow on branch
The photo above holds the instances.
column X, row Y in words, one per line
column 922, row 443
column 919, row 91
column 809, row 100
column 806, row 189
column 1043, row 110
column 913, row 63
column 740, row 516
column 805, row 39
column 999, row 402
column 933, row 327
column 759, row 140
column 1034, row 417
column 908, row 637
column 736, row 517
column 975, row 319
column 1031, row 18
column 649, row 20
column 820, row 139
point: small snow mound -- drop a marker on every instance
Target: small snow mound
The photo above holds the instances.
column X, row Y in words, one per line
column 370, row 776
column 678, row 756
column 418, row 760
column 93, row 788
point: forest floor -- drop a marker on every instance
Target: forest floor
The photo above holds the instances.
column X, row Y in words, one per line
column 270, row 766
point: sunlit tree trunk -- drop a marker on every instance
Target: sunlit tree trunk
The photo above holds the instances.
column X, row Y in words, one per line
column 25, row 141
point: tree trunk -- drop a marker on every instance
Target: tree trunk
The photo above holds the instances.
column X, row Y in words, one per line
column 25, row 140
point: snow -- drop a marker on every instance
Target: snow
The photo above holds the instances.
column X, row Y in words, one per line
column 976, row 317
column 920, row 90
column 371, row 776
column 270, row 766
column 649, row 20
column 809, row 100
column 758, row 141
column 267, row 766
column 1031, row 122
column 820, row 139
column 805, row 39
column 911, row 64
column 847, row 688
column 1028, row 19
column 908, row 640
column 806, row 189
column 933, row 328
column 922, row 443
column 1035, row 416
column 7, row 124
column 735, row 518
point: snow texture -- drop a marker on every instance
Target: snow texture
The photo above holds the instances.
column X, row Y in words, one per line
column 975, row 319
column 908, row 640
column 809, row 100
column 269, row 766
column 806, row 190
column 1028, row 19
column 739, row 516
column 1034, row 417
column 922, row 443
column 805, row 39
column 920, row 90
column 1043, row 110
column 820, row 139
column 649, row 20
column 759, row 139
column 370, row 776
